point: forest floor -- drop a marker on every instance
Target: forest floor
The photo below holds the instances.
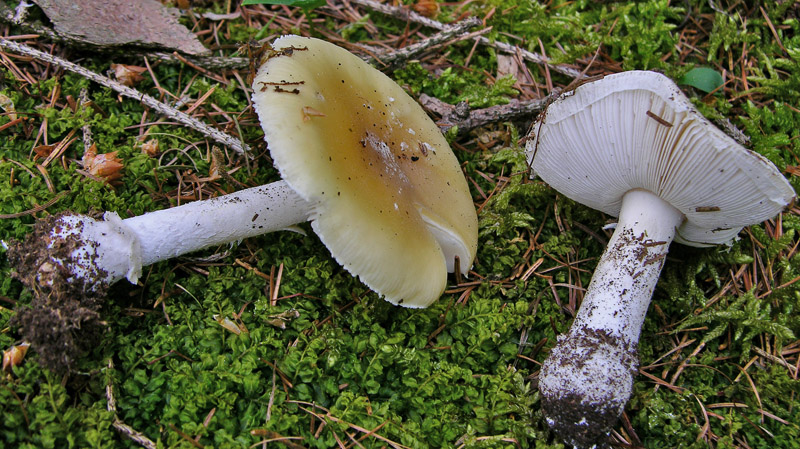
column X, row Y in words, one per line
column 269, row 342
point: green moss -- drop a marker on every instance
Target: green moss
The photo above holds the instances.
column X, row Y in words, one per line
column 454, row 86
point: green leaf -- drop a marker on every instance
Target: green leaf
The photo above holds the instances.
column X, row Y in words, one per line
column 305, row 4
column 703, row 78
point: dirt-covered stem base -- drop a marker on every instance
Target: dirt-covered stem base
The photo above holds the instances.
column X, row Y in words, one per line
column 588, row 377
column 70, row 260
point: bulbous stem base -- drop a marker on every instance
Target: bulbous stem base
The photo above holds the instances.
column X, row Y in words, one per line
column 588, row 377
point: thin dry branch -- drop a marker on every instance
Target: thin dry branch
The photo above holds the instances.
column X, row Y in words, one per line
column 455, row 31
column 466, row 120
column 206, row 62
column 87, row 130
column 400, row 13
column 404, row 14
column 775, row 359
column 121, row 427
column 161, row 108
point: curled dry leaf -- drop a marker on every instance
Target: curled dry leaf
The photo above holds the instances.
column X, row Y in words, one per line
column 13, row 356
column 216, row 170
column 105, row 165
column 150, row 147
column 237, row 327
column 8, row 106
column 129, row 75
column 42, row 151
column 427, row 8
column 282, row 318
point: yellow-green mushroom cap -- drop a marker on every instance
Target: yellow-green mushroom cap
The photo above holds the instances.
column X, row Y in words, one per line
column 387, row 194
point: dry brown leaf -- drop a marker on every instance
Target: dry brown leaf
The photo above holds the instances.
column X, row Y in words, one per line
column 129, row 75
column 13, row 356
column 43, row 150
column 229, row 324
column 150, row 147
column 216, row 168
column 282, row 318
column 427, row 8
column 509, row 65
column 115, row 23
column 104, row 165
column 7, row 105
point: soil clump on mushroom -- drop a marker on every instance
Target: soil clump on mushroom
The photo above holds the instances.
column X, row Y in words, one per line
column 62, row 322
column 575, row 413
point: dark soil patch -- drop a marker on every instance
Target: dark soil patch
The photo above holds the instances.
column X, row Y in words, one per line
column 62, row 322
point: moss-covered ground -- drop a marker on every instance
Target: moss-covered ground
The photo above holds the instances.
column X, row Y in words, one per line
column 720, row 347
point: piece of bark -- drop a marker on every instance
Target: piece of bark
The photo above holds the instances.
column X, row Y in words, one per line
column 117, row 23
column 8, row 15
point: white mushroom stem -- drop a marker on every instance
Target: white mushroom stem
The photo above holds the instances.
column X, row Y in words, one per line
column 111, row 249
column 625, row 277
column 588, row 377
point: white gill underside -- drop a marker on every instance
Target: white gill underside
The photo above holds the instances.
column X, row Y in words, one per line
column 651, row 138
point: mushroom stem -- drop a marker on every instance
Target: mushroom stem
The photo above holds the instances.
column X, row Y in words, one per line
column 588, row 377
column 82, row 248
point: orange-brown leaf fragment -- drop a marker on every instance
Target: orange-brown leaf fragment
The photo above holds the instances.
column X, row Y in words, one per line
column 104, row 165
column 13, row 356
column 129, row 75
column 150, row 147
column 43, row 150
column 428, row 8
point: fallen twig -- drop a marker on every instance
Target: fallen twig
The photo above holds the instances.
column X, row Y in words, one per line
column 206, row 62
column 404, row 14
column 466, row 120
column 147, row 100
column 400, row 13
column 87, row 130
column 395, row 58
column 730, row 129
column 775, row 359
column 121, row 427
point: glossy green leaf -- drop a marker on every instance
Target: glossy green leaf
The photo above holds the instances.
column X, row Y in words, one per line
column 702, row 78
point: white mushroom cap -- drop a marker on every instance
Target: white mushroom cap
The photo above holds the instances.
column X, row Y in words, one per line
column 637, row 130
column 388, row 196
